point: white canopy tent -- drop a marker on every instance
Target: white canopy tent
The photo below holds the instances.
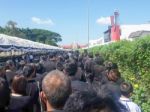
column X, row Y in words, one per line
column 6, row 40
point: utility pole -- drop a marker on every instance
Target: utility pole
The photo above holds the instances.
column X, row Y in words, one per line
column 88, row 22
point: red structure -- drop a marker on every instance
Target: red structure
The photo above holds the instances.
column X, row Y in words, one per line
column 115, row 27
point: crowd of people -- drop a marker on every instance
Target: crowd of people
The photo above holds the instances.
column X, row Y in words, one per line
column 64, row 82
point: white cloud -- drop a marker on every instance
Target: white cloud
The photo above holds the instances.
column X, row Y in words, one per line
column 40, row 21
column 104, row 21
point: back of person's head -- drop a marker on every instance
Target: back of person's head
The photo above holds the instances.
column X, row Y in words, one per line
column 99, row 60
column 126, row 89
column 9, row 65
column 98, row 70
column 81, row 101
column 71, row 68
column 109, row 103
column 56, row 88
column 59, row 66
column 66, row 56
column 29, row 71
column 60, row 58
column 103, row 91
column 4, row 94
column 19, row 84
column 90, row 55
column 52, row 55
column 39, row 68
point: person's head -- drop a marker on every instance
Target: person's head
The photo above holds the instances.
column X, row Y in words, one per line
column 60, row 59
column 99, row 60
column 4, row 94
column 52, row 56
column 113, row 75
column 108, row 105
column 9, row 65
column 90, row 55
column 39, row 68
column 81, row 101
column 70, row 68
column 126, row 89
column 66, row 56
column 29, row 71
column 56, row 88
column 19, row 84
column 59, row 66
column 108, row 100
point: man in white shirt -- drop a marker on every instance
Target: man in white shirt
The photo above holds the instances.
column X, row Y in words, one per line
column 126, row 91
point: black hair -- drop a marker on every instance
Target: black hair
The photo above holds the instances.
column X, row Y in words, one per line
column 39, row 68
column 109, row 105
column 59, row 66
column 28, row 70
column 81, row 101
column 99, row 60
column 90, row 55
column 71, row 68
column 126, row 88
column 108, row 98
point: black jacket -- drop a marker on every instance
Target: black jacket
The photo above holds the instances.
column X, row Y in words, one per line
column 20, row 104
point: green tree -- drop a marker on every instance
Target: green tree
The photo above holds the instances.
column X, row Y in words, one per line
column 11, row 24
column 39, row 35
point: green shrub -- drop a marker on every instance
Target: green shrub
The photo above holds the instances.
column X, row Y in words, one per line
column 133, row 59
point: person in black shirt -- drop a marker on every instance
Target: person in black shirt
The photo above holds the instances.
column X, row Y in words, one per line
column 19, row 101
column 4, row 95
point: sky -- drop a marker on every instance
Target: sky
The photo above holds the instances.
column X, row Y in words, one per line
column 69, row 18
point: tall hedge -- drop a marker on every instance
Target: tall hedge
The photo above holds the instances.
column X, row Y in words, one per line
column 133, row 59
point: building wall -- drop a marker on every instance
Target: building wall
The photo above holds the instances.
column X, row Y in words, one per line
column 115, row 33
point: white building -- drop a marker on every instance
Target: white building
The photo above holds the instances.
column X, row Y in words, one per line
column 126, row 30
